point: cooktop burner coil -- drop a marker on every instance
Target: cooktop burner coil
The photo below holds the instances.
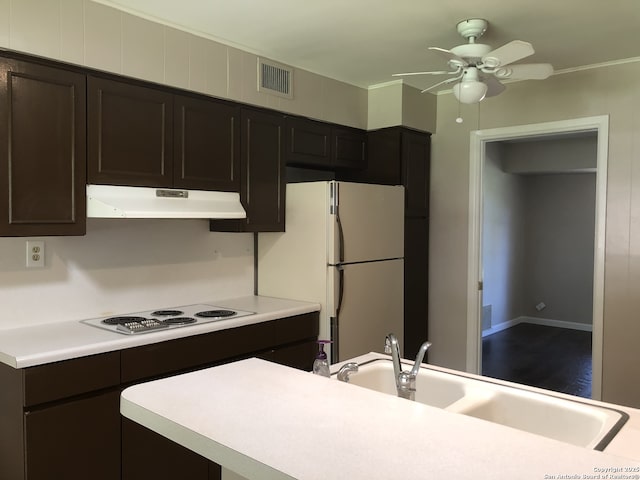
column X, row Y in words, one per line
column 178, row 320
column 167, row 313
column 121, row 320
column 216, row 314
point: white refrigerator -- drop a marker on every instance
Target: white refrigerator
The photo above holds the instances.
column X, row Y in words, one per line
column 343, row 248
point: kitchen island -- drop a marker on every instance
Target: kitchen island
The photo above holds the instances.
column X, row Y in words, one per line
column 279, row 423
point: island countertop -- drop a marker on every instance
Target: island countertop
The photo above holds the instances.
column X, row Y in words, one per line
column 266, row 421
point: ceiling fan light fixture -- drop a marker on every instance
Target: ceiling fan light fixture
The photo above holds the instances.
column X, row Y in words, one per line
column 470, row 91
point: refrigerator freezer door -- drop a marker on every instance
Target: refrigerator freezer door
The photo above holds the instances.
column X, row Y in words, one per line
column 372, row 219
column 372, row 306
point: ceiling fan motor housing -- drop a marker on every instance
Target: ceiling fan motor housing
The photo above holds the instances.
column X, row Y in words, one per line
column 471, row 52
column 472, row 27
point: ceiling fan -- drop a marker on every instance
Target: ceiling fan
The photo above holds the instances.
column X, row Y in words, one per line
column 478, row 69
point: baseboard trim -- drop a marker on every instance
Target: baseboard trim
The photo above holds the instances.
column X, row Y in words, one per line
column 500, row 327
column 537, row 321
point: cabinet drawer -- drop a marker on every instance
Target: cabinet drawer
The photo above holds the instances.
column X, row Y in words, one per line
column 297, row 355
column 54, row 381
column 299, row 327
column 191, row 352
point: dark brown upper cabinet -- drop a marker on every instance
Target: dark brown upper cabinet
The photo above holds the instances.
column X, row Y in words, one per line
column 262, row 173
column 206, row 144
column 349, row 149
column 42, row 150
column 307, row 143
column 145, row 136
column 130, row 134
column 399, row 156
column 415, row 157
column 314, row 144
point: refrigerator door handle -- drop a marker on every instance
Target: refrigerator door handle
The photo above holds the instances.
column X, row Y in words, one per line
column 335, row 340
column 340, row 238
column 340, row 288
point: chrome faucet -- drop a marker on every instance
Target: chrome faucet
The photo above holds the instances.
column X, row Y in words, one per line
column 405, row 381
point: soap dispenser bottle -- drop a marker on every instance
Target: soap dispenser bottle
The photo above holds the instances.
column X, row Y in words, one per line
column 321, row 363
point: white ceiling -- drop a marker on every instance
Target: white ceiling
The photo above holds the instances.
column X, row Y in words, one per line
column 362, row 42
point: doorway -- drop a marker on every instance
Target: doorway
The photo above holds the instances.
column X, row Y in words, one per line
column 480, row 151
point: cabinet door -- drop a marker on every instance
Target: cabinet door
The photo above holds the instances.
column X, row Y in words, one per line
column 130, row 134
column 307, row 143
column 42, row 150
column 383, row 159
column 416, row 154
column 206, row 144
column 75, row 440
column 416, row 284
column 263, row 173
column 148, row 455
column 349, row 148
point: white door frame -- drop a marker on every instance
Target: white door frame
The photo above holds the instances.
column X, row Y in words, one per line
column 479, row 138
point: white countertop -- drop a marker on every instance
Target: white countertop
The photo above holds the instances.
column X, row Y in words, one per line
column 40, row 344
column 280, row 423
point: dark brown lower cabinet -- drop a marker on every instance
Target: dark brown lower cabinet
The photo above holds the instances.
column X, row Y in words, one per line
column 79, row 439
column 147, row 455
column 61, row 421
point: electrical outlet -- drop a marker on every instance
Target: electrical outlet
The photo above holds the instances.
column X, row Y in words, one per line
column 35, row 253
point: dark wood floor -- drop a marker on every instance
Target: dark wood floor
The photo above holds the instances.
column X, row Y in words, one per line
column 554, row 358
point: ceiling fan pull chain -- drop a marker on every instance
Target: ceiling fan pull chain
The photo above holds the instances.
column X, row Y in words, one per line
column 459, row 117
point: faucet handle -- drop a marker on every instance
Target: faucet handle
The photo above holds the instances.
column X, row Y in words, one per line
column 346, row 370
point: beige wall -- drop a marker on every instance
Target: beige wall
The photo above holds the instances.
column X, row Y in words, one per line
column 559, row 226
column 552, row 155
column 612, row 91
column 394, row 104
column 94, row 35
column 503, row 241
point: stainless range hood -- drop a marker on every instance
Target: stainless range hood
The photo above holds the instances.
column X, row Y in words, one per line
column 110, row 201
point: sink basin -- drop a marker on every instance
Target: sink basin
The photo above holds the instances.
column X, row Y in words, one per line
column 571, row 421
column 565, row 420
column 432, row 387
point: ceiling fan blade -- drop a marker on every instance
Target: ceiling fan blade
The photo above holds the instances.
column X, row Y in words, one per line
column 494, row 87
column 441, row 72
column 526, row 71
column 508, row 53
column 444, row 82
column 450, row 56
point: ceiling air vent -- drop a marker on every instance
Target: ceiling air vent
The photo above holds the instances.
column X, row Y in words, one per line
column 274, row 78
